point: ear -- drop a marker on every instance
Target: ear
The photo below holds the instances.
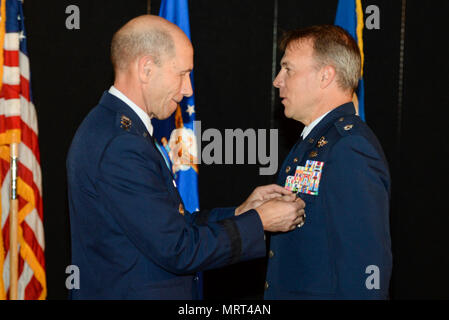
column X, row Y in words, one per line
column 145, row 68
column 327, row 76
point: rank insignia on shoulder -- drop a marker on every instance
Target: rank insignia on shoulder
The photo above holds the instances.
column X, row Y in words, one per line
column 313, row 154
column 125, row 122
column 348, row 127
column 306, row 179
column 321, row 142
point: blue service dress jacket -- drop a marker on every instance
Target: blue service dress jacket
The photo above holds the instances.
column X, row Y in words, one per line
column 131, row 236
column 343, row 251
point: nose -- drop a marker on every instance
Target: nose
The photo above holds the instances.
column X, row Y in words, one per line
column 187, row 89
column 277, row 81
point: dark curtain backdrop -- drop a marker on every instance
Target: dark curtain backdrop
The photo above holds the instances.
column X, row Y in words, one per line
column 233, row 43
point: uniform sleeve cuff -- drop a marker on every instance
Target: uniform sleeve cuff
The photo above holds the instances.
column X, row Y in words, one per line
column 219, row 214
column 252, row 235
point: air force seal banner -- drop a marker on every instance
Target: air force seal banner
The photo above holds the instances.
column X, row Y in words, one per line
column 350, row 17
column 176, row 134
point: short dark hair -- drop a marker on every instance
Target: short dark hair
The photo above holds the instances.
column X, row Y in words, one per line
column 332, row 45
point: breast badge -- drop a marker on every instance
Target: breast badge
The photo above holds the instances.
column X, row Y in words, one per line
column 322, row 142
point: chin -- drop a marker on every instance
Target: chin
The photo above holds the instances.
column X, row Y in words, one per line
column 287, row 114
column 168, row 114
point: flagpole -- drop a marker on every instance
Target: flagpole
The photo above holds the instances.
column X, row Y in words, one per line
column 149, row 6
column 13, row 222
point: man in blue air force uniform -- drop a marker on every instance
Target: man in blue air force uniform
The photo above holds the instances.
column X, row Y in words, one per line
column 131, row 236
column 342, row 251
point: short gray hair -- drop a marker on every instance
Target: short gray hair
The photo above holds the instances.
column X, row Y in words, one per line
column 127, row 45
column 333, row 46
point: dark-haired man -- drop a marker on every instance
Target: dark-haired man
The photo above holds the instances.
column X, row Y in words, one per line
column 339, row 169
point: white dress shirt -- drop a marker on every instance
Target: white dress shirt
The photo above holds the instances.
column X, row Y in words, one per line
column 309, row 128
column 142, row 114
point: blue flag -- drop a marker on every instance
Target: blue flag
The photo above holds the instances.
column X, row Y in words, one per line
column 176, row 134
column 350, row 17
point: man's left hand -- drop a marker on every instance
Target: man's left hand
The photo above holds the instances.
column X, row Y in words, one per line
column 260, row 195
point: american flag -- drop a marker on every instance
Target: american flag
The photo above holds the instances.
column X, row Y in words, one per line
column 18, row 124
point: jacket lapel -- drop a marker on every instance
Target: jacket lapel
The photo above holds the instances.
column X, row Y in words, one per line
column 320, row 130
column 122, row 109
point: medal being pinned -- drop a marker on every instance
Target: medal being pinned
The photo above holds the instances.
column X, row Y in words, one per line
column 306, row 179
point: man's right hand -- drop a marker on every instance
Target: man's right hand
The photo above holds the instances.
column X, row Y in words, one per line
column 282, row 214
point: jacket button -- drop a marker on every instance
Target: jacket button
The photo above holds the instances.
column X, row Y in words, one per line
column 295, row 160
column 266, row 285
column 271, row 254
column 287, row 170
